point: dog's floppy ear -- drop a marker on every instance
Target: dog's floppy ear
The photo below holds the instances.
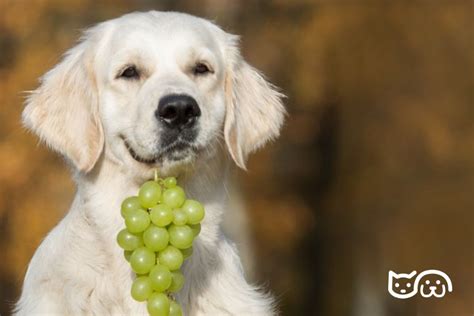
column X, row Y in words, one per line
column 255, row 111
column 63, row 111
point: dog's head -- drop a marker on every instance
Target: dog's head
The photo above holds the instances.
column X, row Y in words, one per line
column 154, row 90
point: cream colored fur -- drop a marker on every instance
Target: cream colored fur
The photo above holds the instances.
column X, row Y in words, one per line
column 82, row 109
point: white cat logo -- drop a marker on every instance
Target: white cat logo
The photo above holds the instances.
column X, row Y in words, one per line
column 429, row 283
column 403, row 289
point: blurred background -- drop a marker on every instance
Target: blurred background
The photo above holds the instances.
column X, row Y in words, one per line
column 374, row 170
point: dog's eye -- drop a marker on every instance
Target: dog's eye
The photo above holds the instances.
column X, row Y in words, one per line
column 130, row 72
column 201, row 69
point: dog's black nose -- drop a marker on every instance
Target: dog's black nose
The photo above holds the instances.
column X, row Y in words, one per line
column 178, row 111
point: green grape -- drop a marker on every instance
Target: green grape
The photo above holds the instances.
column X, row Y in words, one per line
column 177, row 281
column 174, row 197
column 141, row 288
column 171, row 257
column 149, row 194
column 128, row 205
column 127, row 254
column 180, row 217
column 137, row 221
column 161, row 278
column 196, row 229
column 181, row 236
column 175, row 309
column 156, row 238
column 161, row 215
column 142, row 260
column 170, row 182
column 158, row 304
column 187, row 252
column 168, row 230
column 194, row 210
column 128, row 240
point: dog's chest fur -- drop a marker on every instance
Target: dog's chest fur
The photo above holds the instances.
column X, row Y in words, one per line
column 80, row 270
column 102, row 274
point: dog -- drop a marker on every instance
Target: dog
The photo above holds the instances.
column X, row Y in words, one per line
column 147, row 90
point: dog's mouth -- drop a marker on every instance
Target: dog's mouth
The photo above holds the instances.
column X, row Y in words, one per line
column 137, row 157
column 177, row 150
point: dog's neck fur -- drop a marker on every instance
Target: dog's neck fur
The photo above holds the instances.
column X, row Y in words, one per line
column 101, row 192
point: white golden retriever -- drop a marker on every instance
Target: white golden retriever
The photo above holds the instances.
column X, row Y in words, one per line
column 146, row 90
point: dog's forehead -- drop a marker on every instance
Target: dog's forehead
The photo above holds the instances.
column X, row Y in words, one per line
column 163, row 28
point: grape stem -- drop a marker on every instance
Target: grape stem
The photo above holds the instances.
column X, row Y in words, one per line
column 156, row 175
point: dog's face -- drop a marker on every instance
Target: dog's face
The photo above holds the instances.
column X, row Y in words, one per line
column 155, row 90
column 163, row 97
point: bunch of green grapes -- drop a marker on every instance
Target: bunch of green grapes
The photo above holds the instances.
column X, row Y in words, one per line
column 161, row 225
